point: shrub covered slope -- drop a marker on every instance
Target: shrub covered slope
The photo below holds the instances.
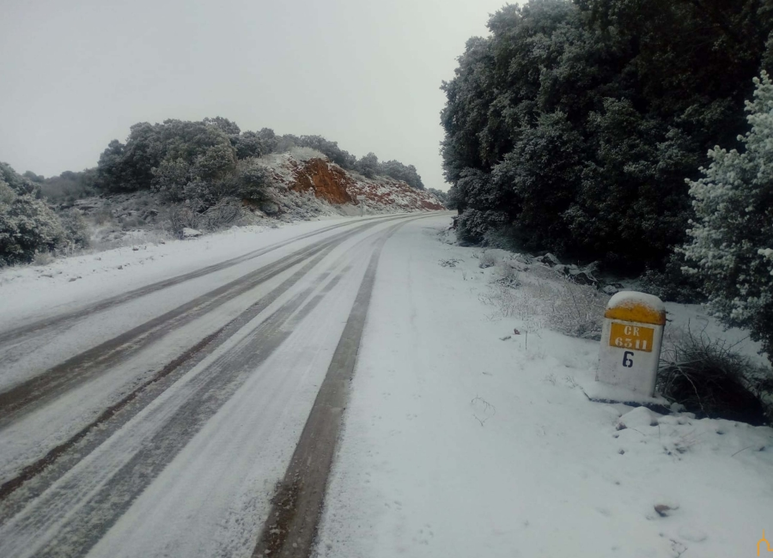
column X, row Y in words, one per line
column 202, row 172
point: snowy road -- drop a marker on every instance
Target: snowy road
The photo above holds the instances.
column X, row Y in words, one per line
column 157, row 420
column 185, row 399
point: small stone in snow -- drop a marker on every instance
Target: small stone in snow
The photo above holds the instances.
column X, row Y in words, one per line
column 516, row 331
column 190, row 233
column 663, row 509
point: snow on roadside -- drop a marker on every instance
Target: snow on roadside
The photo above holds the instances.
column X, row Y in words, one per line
column 463, row 438
column 28, row 292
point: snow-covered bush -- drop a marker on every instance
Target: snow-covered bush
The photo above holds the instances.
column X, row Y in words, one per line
column 399, row 171
column 226, row 213
column 732, row 235
column 27, row 224
column 546, row 298
column 672, row 283
column 440, row 195
column 473, row 225
column 67, row 187
column 367, row 165
column 712, row 380
column 252, row 181
column 306, row 153
column 487, row 259
column 507, row 273
column 76, row 229
column 575, row 309
column 179, row 217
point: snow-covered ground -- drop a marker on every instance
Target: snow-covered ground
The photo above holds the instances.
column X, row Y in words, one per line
column 189, row 468
column 462, row 437
column 465, row 439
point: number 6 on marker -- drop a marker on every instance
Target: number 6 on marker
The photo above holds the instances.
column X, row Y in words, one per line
column 627, row 360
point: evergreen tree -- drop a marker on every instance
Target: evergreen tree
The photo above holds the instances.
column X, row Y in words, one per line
column 585, row 118
column 27, row 224
column 732, row 235
column 368, row 165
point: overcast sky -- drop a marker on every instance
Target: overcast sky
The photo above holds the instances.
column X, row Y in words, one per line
column 77, row 73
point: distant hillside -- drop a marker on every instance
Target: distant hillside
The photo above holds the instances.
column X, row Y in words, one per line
column 347, row 190
column 200, row 176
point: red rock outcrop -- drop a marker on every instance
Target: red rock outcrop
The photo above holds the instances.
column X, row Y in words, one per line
column 335, row 186
column 328, row 182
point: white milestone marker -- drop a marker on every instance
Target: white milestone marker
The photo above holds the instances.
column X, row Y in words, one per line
column 631, row 341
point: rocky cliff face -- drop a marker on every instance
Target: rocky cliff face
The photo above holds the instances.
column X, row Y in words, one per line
column 327, row 181
column 318, row 180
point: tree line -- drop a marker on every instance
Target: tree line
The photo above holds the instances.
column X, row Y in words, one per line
column 201, row 164
column 212, row 158
column 575, row 124
column 590, row 128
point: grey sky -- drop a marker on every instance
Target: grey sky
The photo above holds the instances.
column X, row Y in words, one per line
column 365, row 73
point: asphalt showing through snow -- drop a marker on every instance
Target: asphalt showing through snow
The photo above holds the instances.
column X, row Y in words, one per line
column 297, row 506
column 83, row 367
column 66, row 501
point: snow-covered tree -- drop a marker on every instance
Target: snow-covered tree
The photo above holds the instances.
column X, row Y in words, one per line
column 399, row 171
column 368, row 165
column 27, row 224
column 732, row 234
column 588, row 115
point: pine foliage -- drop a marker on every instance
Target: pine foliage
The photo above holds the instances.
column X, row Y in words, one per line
column 731, row 246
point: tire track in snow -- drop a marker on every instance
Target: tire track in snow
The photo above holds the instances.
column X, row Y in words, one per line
column 64, row 525
column 56, row 462
column 29, row 395
column 109, row 493
column 128, row 407
column 67, row 319
column 291, row 526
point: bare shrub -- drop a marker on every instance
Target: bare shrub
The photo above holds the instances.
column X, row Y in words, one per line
column 487, row 259
column 713, row 380
column 510, row 301
column 576, row 310
column 76, row 228
column 179, row 217
column 544, row 297
column 42, row 258
column 507, row 274
column 224, row 214
column 131, row 221
column 102, row 216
